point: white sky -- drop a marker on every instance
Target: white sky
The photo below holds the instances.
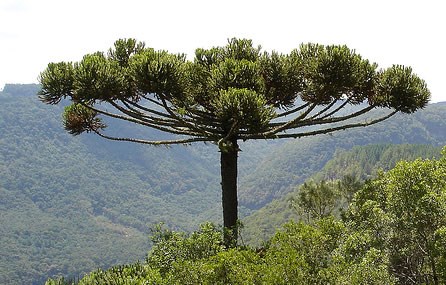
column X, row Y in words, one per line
column 36, row 32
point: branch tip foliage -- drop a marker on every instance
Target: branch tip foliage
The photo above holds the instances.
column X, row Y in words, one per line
column 237, row 91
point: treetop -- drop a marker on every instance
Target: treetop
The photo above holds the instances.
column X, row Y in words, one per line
column 236, row 91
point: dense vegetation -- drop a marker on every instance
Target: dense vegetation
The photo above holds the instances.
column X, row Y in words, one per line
column 359, row 163
column 392, row 232
column 52, row 225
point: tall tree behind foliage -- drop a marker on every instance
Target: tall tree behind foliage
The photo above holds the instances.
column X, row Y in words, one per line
column 227, row 94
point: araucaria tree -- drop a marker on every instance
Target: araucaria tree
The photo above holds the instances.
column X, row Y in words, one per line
column 227, row 94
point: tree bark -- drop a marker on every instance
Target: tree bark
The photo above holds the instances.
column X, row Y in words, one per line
column 228, row 162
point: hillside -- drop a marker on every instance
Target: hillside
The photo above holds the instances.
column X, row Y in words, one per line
column 72, row 204
column 361, row 162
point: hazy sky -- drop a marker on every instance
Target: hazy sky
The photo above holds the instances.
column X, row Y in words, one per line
column 36, row 32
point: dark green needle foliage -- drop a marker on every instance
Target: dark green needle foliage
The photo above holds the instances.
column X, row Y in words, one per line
column 226, row 94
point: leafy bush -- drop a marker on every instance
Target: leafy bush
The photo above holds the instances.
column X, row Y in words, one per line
column 170, row 247
column 119, row 275
column 404, row 212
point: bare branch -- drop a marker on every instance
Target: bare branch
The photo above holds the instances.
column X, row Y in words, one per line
column 152, row 101
column 162, row 142
column 197, row 114
column 169, row 129
column 144, row 117
column 184, row 122
column 292, row 111
column 337, row 109
column 317, row 132
column 324, row 109
column 285, row 125
column 129, row 103
column 311, row 122
column 232, row 131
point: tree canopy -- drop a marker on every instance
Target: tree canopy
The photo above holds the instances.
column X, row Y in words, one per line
column 230, row 93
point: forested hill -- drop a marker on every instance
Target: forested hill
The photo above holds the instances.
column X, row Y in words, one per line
column 70, row 204
column 361, row 163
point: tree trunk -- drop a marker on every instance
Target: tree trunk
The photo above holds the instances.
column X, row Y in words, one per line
column 228, row 162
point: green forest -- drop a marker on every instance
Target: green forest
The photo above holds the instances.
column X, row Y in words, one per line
column 70, row 205
column 392, row 231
